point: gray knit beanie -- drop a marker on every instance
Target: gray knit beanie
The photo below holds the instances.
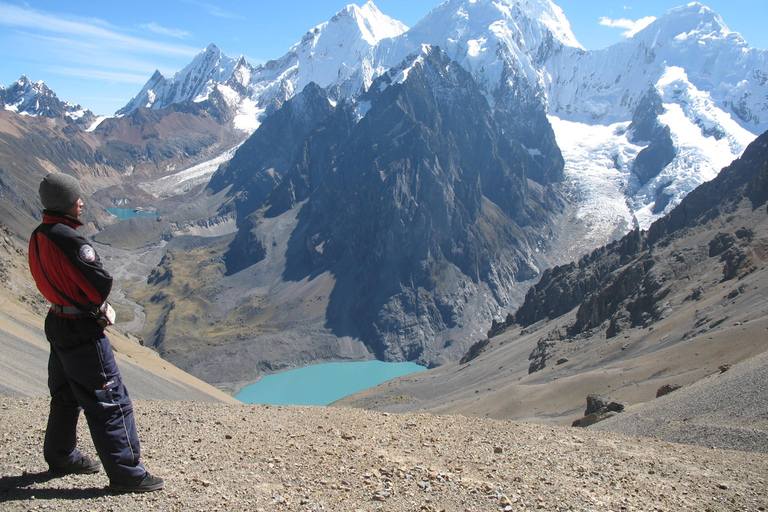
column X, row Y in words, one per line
column 59, row 192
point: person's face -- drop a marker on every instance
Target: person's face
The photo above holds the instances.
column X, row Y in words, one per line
column 76, row 209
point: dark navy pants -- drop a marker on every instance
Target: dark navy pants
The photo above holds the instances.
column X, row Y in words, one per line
column 83, row 374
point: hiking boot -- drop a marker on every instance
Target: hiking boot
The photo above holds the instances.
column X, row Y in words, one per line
column 146, row 484
column 83, row 466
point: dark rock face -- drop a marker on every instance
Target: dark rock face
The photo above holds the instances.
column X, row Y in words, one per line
column 423, row 210
column 522, row 115
column 645, row 119
column 655, row 157
column 261, row 164
column 427, row 191
column 646, row 127
column 263, row 160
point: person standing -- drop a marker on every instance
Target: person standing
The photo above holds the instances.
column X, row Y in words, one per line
column 82, row 371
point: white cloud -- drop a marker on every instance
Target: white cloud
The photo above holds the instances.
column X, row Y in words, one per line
column 101, row 74
column 632, row 27
column 172, row 32
column 86, row 29
column 213, row 10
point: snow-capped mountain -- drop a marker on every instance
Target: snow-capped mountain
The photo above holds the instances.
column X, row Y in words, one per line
column 37, row 99
column 484, row 36
column 501, row 44
column 330, row 54
column 408, row 210
column 209, row 71
column 710, row 83
column 570, row 108
column 605, row 85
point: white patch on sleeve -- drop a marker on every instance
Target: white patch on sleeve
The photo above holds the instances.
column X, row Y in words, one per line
column 87, row 254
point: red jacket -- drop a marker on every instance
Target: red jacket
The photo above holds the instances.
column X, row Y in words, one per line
column 66, row 268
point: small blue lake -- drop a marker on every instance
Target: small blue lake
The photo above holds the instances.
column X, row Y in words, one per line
column 322, row 384
column 127, row 213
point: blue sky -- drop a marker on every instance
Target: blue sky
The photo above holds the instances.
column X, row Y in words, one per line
column 100, row 53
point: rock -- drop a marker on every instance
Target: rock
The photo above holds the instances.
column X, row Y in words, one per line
column 666, row 389
column 598, row 409
column 646, row 127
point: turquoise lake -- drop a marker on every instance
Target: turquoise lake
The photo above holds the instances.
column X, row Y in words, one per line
column 127, row 213
column 322, row 384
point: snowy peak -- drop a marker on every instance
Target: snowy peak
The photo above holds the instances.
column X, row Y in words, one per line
column 339, row 49
column 32, row 98
column 693, row 23
column 196, row 81
column 351, row 28
column 373, row 26
column 193, row 83
column 550, row 15
column 37, row 99
column 525, row 22
column 328, row 55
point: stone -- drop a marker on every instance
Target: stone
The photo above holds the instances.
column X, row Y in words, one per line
column 666, row 389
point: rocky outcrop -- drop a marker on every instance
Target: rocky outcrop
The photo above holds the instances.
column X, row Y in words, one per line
column 646, row 129
column 666, row 389
column 598, row 409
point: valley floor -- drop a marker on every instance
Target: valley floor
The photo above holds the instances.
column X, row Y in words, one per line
column 256, row 457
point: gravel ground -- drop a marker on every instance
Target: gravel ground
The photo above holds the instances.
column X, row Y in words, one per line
column 256, row 457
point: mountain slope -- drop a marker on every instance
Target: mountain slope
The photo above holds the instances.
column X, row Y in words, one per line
column 666, row 306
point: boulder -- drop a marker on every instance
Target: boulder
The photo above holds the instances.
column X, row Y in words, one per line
column 598, row 409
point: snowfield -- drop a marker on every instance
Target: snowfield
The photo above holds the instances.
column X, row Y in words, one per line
column 187, row 179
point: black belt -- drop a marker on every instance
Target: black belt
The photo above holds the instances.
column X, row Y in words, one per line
column 66, row 310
